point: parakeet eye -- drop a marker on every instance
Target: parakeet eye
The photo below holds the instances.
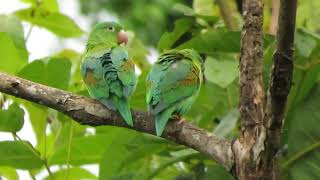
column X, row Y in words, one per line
column 110, row 28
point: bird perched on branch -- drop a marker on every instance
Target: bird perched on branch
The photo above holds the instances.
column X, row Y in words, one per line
column 107, row 70
column 173, row 85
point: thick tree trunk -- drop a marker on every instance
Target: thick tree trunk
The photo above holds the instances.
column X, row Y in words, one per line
column 262, row 116
column 248, row 147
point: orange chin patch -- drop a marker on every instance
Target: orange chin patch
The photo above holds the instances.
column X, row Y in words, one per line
column 89, row 78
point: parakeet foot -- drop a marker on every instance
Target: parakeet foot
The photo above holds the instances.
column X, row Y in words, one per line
column 182, row 120
column 176, row 117
column 179, row 118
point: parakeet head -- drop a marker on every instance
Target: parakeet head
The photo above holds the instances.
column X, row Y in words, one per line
column 107, row 34
column 194, row 56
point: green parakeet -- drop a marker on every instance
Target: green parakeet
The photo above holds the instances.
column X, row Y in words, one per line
column 107, row 70
column 173, row 85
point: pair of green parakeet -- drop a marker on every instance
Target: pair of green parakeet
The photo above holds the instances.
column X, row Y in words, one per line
column 109, row 74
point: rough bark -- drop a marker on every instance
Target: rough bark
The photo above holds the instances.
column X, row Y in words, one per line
column 262, row 116
column 248, row 147
column 280, row 80
column 87, row 111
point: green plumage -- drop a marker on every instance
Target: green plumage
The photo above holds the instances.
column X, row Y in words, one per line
column 107, row 71
column 173, row 85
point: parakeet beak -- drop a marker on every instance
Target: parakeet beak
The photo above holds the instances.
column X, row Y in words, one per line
column 122, row 37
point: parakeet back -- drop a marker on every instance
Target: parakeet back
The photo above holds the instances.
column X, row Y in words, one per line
column 173, row 85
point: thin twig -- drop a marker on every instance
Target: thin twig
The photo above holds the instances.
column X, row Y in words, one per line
column 29, row 33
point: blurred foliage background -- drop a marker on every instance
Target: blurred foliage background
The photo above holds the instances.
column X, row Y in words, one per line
column 212, row 28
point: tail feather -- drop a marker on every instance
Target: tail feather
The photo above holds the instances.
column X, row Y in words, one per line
column 124, row 110
column 161, row 120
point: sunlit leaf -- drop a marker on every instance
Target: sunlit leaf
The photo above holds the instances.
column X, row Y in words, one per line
column 9, row 173
column 73, row 174
column 204, row 7
column 57, row 23
column 51, row 5
column 32, row 2
column 13, row 27
column 11, row 59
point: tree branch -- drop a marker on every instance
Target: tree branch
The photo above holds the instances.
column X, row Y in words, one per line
column 281, row 77
column 274, row 17
column 228, row 13
column 87, row 111
column 251, row 89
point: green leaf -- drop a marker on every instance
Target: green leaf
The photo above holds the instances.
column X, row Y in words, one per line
column 204, row 7
column 58, row 73
column 186, row 10
column 11, row 60
column 45, row 5
column 50, row 5
column 221, row 70
column 212, row 41
column 138, row 52
column 200, row 13
column 19, row 154
column 305, row 42
column 9, row 173
column 73, row 174
column 307, row 66
column 38, row 118
column 213, row 103
column 34, row 71
column 57, row 23
column 116, row 154
column 128, row 153
column 303, row 161
column 12, row 119
column 227, row 124
column 168, row 39
column 55, row 73
column 32, row 2
column 139, row 95
column 13, row 27
column 84, row 150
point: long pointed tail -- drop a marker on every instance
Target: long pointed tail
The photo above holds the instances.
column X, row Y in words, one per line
column 124, row 110
column 161, row 120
